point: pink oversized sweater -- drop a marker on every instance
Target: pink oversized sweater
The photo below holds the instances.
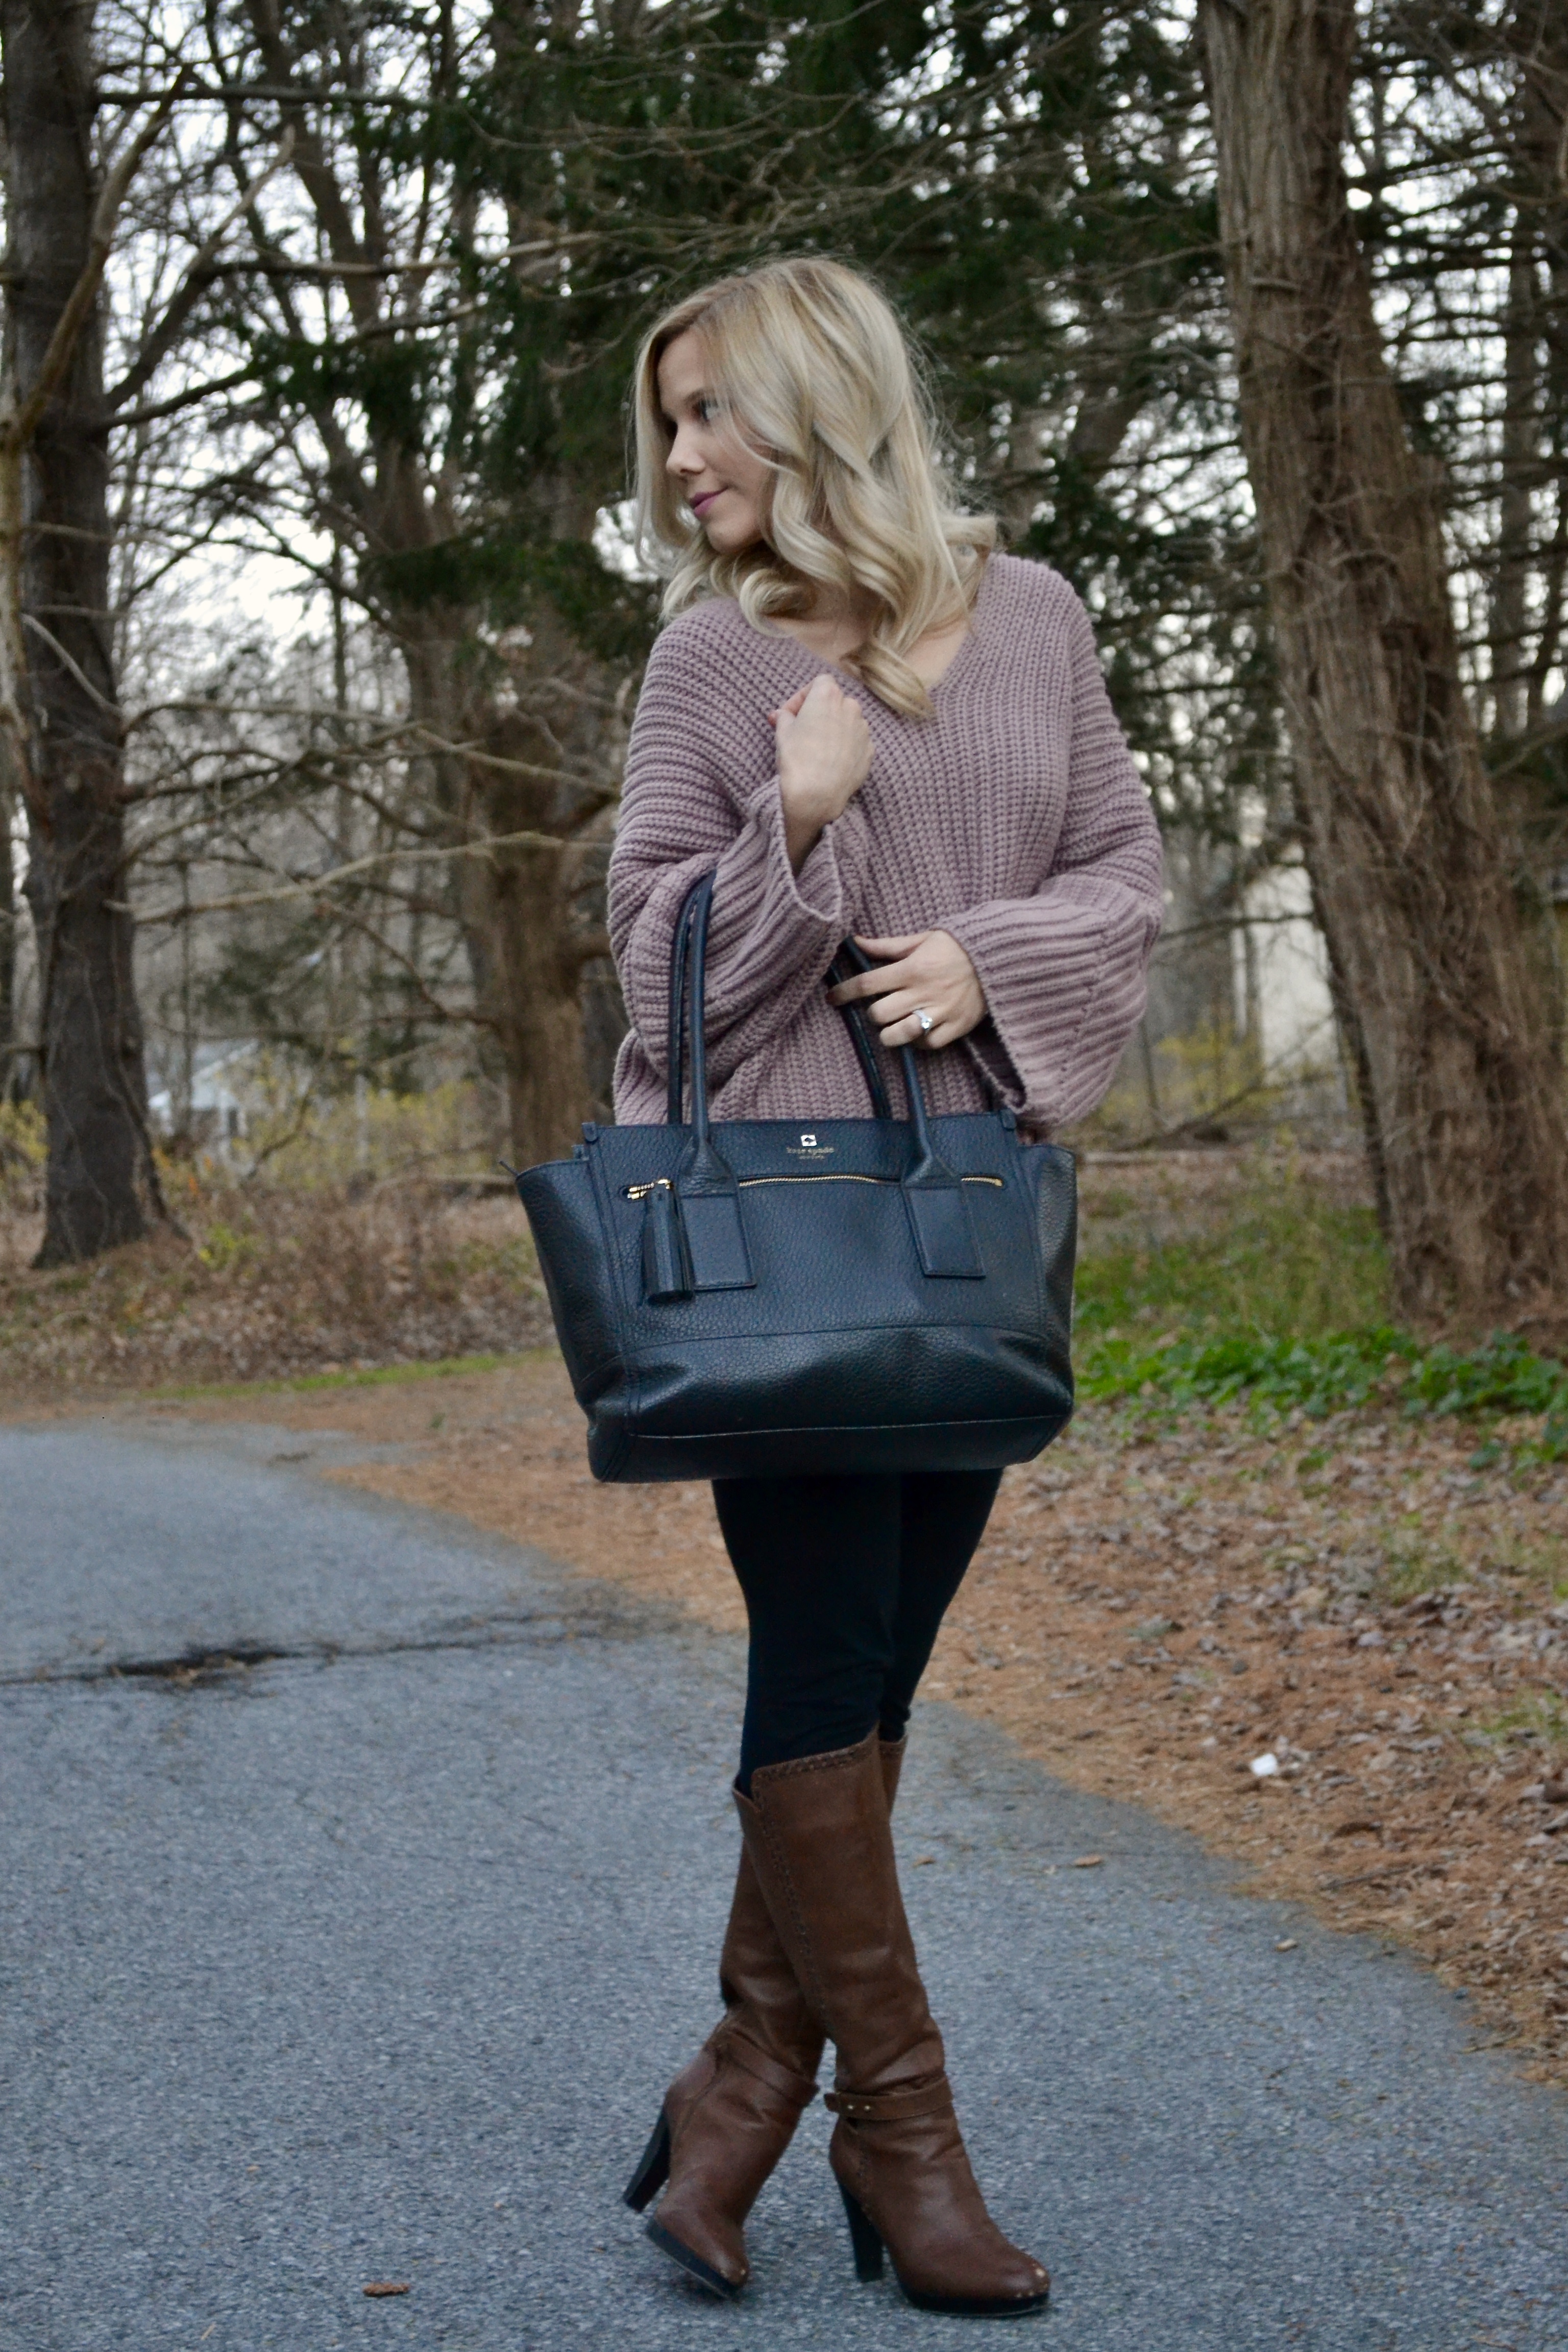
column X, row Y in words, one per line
column 1014, row 818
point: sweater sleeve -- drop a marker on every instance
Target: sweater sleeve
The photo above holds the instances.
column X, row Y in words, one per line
column 688, row 808
column 1065, row 972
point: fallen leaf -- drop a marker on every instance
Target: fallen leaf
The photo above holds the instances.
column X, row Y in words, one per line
column 922, row 1859
column 1089, row 1861
column 384, row 2286
column 1357, row 1829
column 1289, row 1945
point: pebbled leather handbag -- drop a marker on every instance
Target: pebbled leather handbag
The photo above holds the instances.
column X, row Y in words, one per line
column 772, row 1297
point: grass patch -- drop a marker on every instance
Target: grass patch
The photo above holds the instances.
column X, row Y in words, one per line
column 1277, row 1258
column 1339, row 1372
column 1539, row 1559
column 1412, row 1566
column 1283, row 1303
column 1539, row 1720
column 367, row 1376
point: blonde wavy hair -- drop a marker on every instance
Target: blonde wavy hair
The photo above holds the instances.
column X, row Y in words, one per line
column 812, row 365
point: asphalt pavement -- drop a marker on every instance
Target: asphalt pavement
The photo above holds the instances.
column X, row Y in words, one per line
column 365, row 1960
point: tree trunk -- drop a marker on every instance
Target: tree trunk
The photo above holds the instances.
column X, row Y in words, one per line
column 505, row 771
column 1536, row 37
column 100, row 1182
column 1405, row 849
column 1510, row 618
column 526, row 950
column 10, row 1056
column 539, row 1003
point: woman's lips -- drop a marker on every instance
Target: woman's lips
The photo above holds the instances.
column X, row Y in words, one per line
column 706, row 499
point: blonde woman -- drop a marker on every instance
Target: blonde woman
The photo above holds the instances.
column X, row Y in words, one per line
column 862, row 719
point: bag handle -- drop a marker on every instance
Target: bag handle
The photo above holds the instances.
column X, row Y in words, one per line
column 853, row 959
column 933, row 1195
column 850, row 959
column 675, row 1086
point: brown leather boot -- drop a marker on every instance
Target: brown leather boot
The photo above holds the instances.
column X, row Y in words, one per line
column 817, row 1831
column 729, row 2116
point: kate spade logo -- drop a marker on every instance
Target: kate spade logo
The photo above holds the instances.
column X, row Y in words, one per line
column 808, row 1148
column 810, row 1140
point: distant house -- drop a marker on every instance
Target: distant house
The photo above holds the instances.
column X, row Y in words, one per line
column 215, row 1113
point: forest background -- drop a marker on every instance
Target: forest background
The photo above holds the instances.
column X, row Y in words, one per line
column 320, row 628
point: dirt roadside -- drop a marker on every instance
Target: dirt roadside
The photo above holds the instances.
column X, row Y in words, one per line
column 1154, row 1609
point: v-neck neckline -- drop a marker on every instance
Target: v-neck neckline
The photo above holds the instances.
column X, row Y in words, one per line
column 934, row 689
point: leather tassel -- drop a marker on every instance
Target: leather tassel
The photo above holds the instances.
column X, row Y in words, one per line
column 665, row 1259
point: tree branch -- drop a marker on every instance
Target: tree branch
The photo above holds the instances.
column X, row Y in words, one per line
column 161, row 338
column 17, row 428
column 314, row 884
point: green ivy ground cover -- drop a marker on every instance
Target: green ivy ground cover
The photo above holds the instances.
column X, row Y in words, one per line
column 1285, row 1307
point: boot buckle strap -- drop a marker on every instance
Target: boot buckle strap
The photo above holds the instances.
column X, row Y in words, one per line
column 890, row 2106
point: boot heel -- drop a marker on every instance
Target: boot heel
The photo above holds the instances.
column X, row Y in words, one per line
column 653, row 2170
column 865, row 2239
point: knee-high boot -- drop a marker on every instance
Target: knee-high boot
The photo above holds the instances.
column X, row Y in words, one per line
column 729, row 2116
column 818, row 1832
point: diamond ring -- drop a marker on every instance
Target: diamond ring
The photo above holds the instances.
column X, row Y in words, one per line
column 926, row 1020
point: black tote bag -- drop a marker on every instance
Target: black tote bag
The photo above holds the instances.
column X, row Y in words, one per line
column 770, row 1297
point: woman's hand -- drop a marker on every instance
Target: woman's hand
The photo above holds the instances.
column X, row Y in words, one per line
column 825, row 757
column 930, row 973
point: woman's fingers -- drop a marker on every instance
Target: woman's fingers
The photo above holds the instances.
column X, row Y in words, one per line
column 898, row 1006
column 824, row 698
column 824, row 744
column 899, row 972
column 930, row 973
column 874, row 984
column 887, row 949
column 793, row 707
column 897, row 1019
column 896, row 1000
column 910, row 1032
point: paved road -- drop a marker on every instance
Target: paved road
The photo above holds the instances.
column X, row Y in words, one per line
column 368, row 1961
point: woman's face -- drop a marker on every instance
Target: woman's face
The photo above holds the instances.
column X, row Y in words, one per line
column 722, row 480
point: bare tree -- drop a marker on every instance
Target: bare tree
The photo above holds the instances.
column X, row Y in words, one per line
column 59, row 718
column 353, row 287
column 11, row 1051
column 1407, row 855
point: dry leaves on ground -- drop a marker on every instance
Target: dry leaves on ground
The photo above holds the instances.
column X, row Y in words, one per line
column 262, row 1284
column 1152, row 1612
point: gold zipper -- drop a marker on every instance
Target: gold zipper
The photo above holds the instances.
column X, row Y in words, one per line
column 827, row 1176
column 831, row 1176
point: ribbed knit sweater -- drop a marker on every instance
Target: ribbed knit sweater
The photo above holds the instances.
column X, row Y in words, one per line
column 1013, row 818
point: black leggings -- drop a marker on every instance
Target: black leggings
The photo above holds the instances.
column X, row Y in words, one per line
column 847, row 1580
